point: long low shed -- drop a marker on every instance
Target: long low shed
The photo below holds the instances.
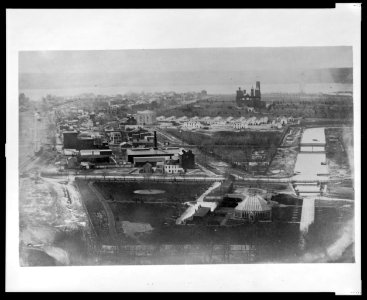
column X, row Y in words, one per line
column 150, row 159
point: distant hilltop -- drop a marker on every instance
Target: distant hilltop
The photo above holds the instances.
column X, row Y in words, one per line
column 198, row 78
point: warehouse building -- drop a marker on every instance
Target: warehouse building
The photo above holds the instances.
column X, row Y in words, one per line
column 95, row 156
column 139, row 156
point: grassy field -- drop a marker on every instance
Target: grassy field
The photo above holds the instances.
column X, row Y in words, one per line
column 173, row 192
column 235, row 148
column 157, row 210
column 154, row 214
column 263, row 139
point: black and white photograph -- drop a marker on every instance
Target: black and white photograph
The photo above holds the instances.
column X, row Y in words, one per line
column 172, row 154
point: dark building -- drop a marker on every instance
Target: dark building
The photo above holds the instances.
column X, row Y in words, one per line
column 137, row 156
column 70, row 139
column 85, row 143
column 252, row 100
column 142, row 139
column 82, row 141
column 136, row 133
column 199, row 216
column 144, row 152
column 142, row 143
column 257, row 90
column 203, row 93
column 131, row 121
column 187, row 159
column 147, row 168
column 100, row 143
column 95, row 156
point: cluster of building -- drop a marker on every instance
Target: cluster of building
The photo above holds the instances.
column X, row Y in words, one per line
column 167, row 160
column 124, row 142
column 228, row 123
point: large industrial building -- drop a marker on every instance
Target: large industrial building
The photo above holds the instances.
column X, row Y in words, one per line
column 83, row 141
column 139, row 156
column 95, row 156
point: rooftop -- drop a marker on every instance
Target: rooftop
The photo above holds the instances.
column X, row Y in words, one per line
column 151, row 159
column 146, row 112
column 151, row 151
column 253, row 202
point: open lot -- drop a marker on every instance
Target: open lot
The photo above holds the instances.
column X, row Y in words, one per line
column 235, row 148
column 154, row 214
column 173, row 192
column 339, row 154
column 283, row 162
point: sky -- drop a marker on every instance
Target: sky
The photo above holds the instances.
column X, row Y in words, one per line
column 184, row 60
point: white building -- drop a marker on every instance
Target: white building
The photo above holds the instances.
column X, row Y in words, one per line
column 173, row 169
column 219, row 123
column 240, row 125
column 146, row 117
column 115, row 138
column 192, row 124
column 251, row 121
column 263, row 120
column 282, row 120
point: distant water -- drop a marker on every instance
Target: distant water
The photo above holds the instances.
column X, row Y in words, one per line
column 37, row 94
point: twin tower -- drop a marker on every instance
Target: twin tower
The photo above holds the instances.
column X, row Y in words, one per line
column 251, row 100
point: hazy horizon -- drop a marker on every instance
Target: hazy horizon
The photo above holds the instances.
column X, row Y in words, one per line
column 175, row 68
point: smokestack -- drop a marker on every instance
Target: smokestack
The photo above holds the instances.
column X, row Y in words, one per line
column 155, row 140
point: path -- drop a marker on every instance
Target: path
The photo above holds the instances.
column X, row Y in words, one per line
column 110, row 217
column 199, row 202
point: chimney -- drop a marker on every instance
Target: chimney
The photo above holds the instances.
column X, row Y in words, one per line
column 155, row 140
